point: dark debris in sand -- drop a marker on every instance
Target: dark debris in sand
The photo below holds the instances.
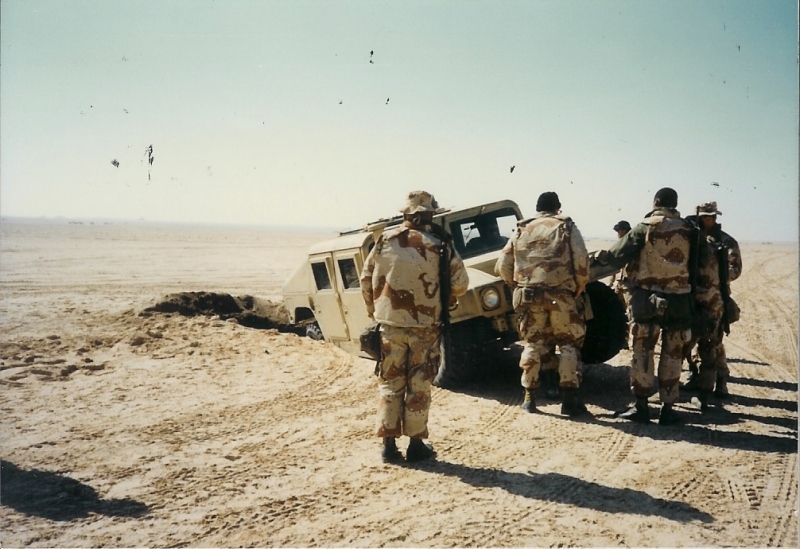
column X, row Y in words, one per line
column 247, row 310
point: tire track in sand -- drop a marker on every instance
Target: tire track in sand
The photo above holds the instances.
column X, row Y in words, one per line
column 786, row 319
column 768, row 304
column 781, row 530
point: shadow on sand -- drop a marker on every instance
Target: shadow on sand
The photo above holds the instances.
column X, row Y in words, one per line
column 780, row 385
column 565, row 489
column 57, row 497
column 606, row 386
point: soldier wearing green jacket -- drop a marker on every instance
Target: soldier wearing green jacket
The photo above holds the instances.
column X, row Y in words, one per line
column 660, row 255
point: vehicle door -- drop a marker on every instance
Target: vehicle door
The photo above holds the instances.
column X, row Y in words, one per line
column 348, row 265
column 326, row 301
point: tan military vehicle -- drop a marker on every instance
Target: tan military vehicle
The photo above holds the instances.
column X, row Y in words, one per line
column 324, row 293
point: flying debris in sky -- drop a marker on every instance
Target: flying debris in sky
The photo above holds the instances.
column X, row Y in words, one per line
column 149, row 153
column 115, row 163
column 370, row 57
column 512, row 169
column 714, row 183
column 387, row 100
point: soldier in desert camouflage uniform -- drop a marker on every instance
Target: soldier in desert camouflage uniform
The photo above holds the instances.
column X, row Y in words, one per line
column 546, row 264
column 401, row 288
column 731, row 247
column 657, row 253
column 620, row 282
column 712, row 294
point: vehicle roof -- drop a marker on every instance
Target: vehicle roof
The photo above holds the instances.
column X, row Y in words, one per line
column 358, row 237
column 343, row 242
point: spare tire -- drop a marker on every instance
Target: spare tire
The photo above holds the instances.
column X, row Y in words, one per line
column 607, row 332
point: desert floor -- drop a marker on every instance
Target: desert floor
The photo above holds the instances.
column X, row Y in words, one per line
column 124, row 429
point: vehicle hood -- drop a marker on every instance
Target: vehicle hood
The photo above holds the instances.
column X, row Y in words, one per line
column 482, row 266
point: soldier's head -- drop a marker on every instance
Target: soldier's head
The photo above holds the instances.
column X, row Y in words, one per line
column 665, row 198
column 419, row 208
column 707, row 213
column 548, row 202
column 622, row 228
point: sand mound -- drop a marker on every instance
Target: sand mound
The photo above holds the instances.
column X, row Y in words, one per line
column 247, row 310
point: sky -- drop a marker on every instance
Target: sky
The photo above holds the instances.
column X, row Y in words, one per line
column 325, row 114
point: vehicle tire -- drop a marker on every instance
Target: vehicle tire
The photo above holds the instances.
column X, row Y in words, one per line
column 314, row 332
column 607, row 332
column 473, row 345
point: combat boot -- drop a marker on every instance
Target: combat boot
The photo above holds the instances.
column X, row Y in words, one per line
column 704, row 397
column 390, row 453
column 417, row 450
column 668, row 416
column 550, row 382
column 529, row 404
column 691, row 383
column 722, row 389
column 639, row 412
column 701, row 400
column 572, row 405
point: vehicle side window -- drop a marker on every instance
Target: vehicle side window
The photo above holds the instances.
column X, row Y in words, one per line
column 321, row 277
column 349, row 273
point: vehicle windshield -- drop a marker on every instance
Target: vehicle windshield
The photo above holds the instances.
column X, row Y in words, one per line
column 484, row 233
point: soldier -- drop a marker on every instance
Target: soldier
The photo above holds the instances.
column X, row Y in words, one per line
column 656, row 253
column 715, row 304
column 401, row 286
column 546, row 264
column 620, row 283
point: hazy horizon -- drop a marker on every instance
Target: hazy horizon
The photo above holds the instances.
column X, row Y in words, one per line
column 264, row 226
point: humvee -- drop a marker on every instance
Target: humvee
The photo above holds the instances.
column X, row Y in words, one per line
column 324, row 293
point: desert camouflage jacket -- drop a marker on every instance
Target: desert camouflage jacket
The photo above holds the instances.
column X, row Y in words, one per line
column 547, row 250
column 734, row 255
column 723, row 249
column 400, row 280
column 657, row 252
column 707, row 287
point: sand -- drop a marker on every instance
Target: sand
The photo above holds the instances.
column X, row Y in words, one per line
column 125, row 428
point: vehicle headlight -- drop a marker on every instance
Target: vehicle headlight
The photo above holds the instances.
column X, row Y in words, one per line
column 490, row 298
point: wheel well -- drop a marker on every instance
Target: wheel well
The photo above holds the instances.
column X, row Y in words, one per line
column 302, row 314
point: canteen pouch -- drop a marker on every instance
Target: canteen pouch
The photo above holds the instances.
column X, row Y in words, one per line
column 371, row 341
column 732, row 310
column 647, row 306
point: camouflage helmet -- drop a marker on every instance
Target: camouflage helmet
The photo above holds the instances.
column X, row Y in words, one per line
column 709, row 208
column 419, row 201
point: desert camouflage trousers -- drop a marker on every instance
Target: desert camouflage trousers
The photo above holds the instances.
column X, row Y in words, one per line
column 645, row 337
column 410, row 362
column 710, row 349
column 553, row 319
